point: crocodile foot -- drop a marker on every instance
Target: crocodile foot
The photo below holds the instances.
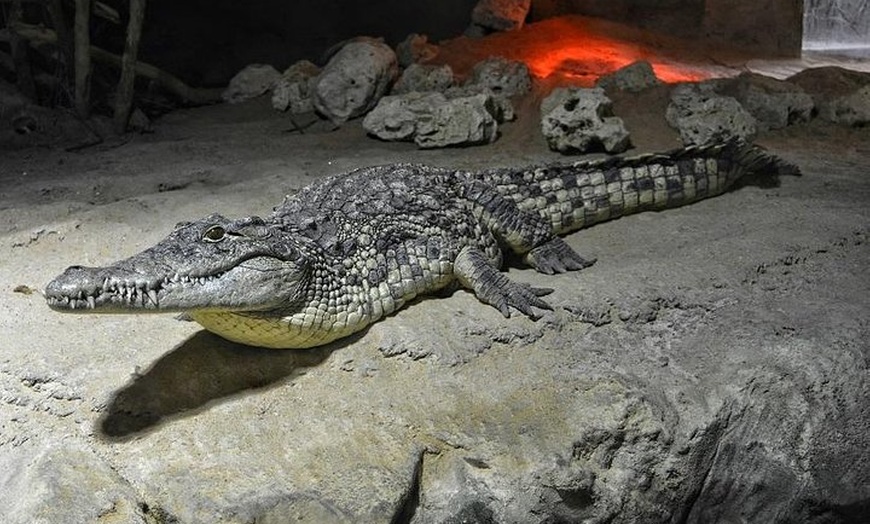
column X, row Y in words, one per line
column 556, row 256
column 494, row 288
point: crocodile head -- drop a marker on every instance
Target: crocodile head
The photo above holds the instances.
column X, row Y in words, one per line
column 211, row 265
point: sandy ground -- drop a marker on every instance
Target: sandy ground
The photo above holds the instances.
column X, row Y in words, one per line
column 772, row 263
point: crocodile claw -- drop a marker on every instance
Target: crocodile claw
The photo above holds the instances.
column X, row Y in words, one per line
column 495, row 288
column 556, row 256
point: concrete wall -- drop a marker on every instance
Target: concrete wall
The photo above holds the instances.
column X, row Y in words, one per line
column 836, row 23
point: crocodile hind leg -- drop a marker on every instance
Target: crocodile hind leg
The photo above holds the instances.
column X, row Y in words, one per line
column 556, row 256
column 493, row 287
column 528, row 234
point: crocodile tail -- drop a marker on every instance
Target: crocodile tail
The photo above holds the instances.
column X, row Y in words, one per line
column 576, row 195
column 755, row 160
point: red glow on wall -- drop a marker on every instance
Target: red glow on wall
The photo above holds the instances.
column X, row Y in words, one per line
column 587, row 60
column 578, row 50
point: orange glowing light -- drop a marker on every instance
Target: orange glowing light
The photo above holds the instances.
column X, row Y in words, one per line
column 577, row 49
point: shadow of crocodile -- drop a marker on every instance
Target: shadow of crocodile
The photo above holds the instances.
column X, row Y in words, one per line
column 201, row 370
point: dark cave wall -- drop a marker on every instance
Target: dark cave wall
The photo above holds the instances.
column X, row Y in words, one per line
column 207, row 41
column 663, row 15
column 767, row 27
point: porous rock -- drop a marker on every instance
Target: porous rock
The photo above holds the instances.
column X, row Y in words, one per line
column 840, row 95
column 293, row 91
column 852, row 109
column 354, row 79
column 418, row 77
column 501, row 15
column 577, row 120
column 500, row 106
column 702, row 116
column 505, row 77
column 464, row 120
column 415, row 48
column 251, row 82
column 774, row 103
column 433, row 120
column 636, row 76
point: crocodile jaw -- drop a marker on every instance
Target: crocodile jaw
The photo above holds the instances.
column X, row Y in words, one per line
column 258, row 284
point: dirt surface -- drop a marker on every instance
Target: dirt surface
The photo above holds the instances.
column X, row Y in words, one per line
column 730, row 298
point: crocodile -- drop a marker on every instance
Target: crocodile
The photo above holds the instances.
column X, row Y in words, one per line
column 353, row 248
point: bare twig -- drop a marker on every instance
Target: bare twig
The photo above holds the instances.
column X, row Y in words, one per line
column 20, row 51
column 38, row 35
column 124, row 95
column 82, row 56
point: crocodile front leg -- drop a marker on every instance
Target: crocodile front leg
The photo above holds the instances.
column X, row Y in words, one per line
column 493, row 287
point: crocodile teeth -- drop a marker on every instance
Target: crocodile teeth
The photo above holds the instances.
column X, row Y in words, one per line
column 92, row 303
column 152, row 296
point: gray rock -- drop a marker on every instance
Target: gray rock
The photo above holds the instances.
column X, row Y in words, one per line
column 505, row 77
column 65, row 481
column 774, row 103
column 432, row 120
column 636, row 76
column 414, row 49
column 418, row 77
column 500, row 106
column 354, row 79
column 577, row 120
column 251, row 82
column 712, row 367
column 294, row 91
column 702, row 116
column 852, row 109
column 396, row 116
column 501, row 15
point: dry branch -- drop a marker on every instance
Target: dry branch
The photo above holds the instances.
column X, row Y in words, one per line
column 20, row 51
column 124, row 95
column 81, row 31
column 38, row 35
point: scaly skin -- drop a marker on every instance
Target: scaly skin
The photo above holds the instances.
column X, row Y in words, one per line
column 346, row 251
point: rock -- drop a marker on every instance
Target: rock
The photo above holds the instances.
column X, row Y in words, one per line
column 852, row 110
column 396, row 116
column 418, row 77
column 505, row 77
column 829, row 82
column 576, row 120
column 712, row 368
column 415, row 49
column 501, row 15
column 774, row 103
column 354, row 79
column 839, row 94
column 702, row 116
column 294, row 90
column 461, row 121
column 500, row 106
column 139, row 122
column 636, row 76
column 65, row 482
column 432, row 120
column 251, row 82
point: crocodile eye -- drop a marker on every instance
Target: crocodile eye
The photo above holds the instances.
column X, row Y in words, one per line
column 214, row 234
